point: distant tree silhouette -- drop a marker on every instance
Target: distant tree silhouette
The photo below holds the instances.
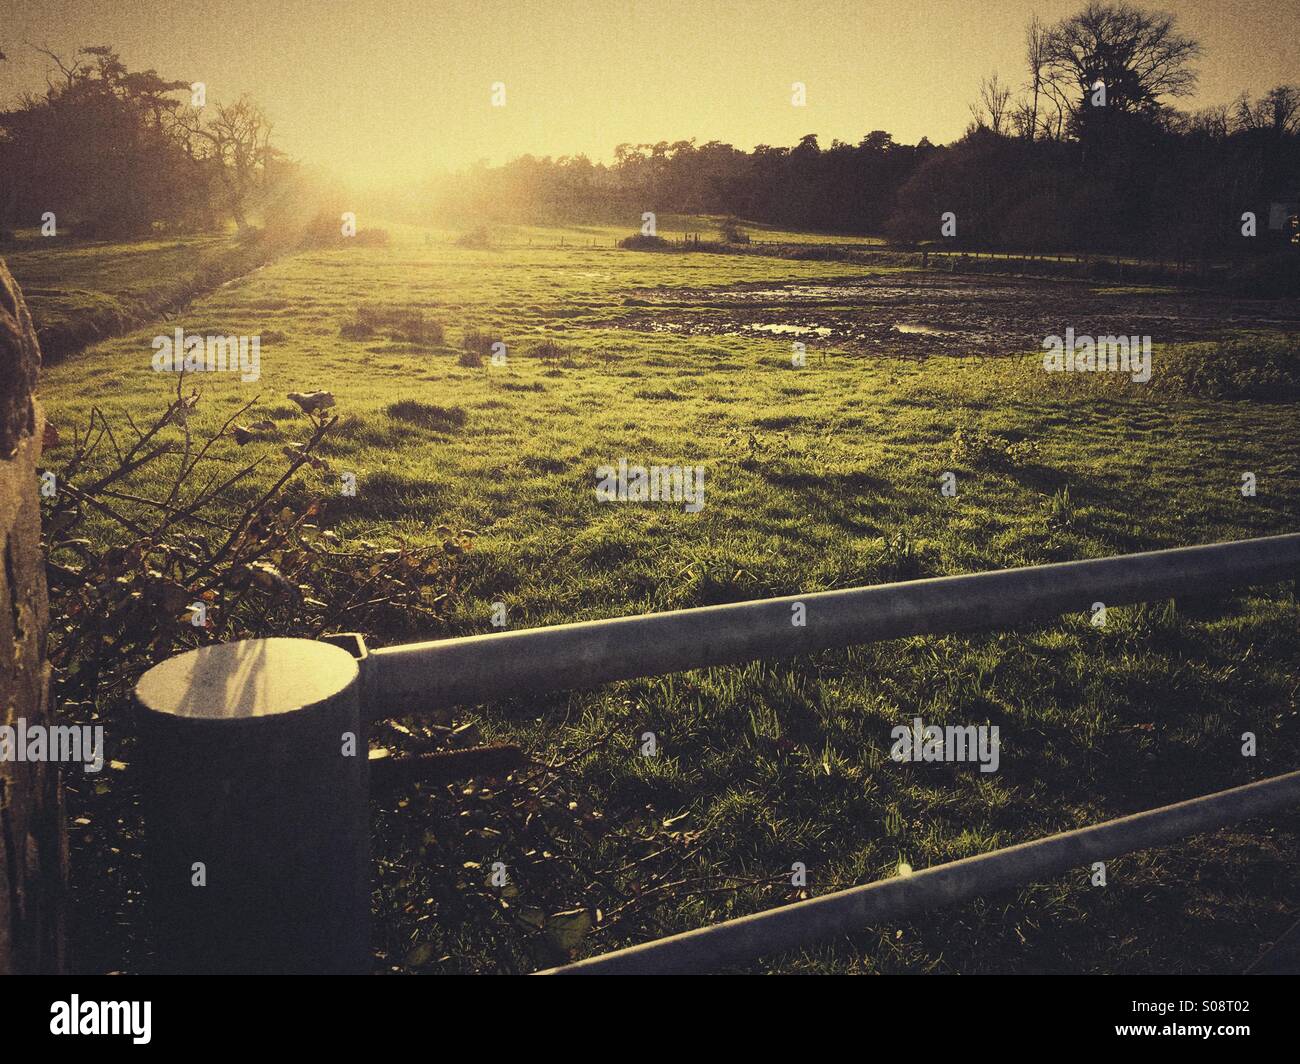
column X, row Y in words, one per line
column 1138, row 56
column 115, row 152
column 992, row 108
column 95, row 148
column 236, row 143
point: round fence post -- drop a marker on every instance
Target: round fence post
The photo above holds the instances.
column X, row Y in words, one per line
column 255, row 807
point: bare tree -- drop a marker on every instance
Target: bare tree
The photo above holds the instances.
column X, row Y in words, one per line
column 72, row 70
column 1036, row 58
column 237, row 141
column 1061, row 97
column 992, row 107
column 1139, row 57
column 1212, row 122
column 1277, row 111
column 1023, row 119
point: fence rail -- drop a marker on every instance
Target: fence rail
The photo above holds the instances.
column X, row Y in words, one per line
column 241, row 745
column 747, row 938
column 423, row 676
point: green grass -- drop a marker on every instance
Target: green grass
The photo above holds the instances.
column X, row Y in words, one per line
column 82, row 290
column 816, row 478
column 130, row 269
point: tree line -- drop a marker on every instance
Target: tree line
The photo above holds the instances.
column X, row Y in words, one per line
column 1086, row 150
column 1089, row 152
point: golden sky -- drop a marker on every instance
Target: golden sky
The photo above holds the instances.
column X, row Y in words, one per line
column 383, row 91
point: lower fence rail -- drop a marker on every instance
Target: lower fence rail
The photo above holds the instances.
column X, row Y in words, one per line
column 747, row 938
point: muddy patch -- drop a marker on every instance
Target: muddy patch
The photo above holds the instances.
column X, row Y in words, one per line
column 920, row 313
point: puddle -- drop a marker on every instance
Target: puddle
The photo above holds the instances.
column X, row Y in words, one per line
column 808, row 292
column 792, row 330
column 959, row 315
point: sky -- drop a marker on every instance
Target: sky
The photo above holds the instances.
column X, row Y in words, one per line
column 385, row 91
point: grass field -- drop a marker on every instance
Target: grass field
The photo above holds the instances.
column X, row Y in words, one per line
column 604, row 234
column 819, row 477
column 81, row 290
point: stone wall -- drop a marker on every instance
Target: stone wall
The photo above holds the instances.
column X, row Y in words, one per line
column 33, row 848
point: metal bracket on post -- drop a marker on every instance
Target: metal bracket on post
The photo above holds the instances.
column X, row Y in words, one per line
column 256, row 812
column 355, row 644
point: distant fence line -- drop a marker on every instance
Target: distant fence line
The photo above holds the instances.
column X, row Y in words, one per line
column 1176, row 269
